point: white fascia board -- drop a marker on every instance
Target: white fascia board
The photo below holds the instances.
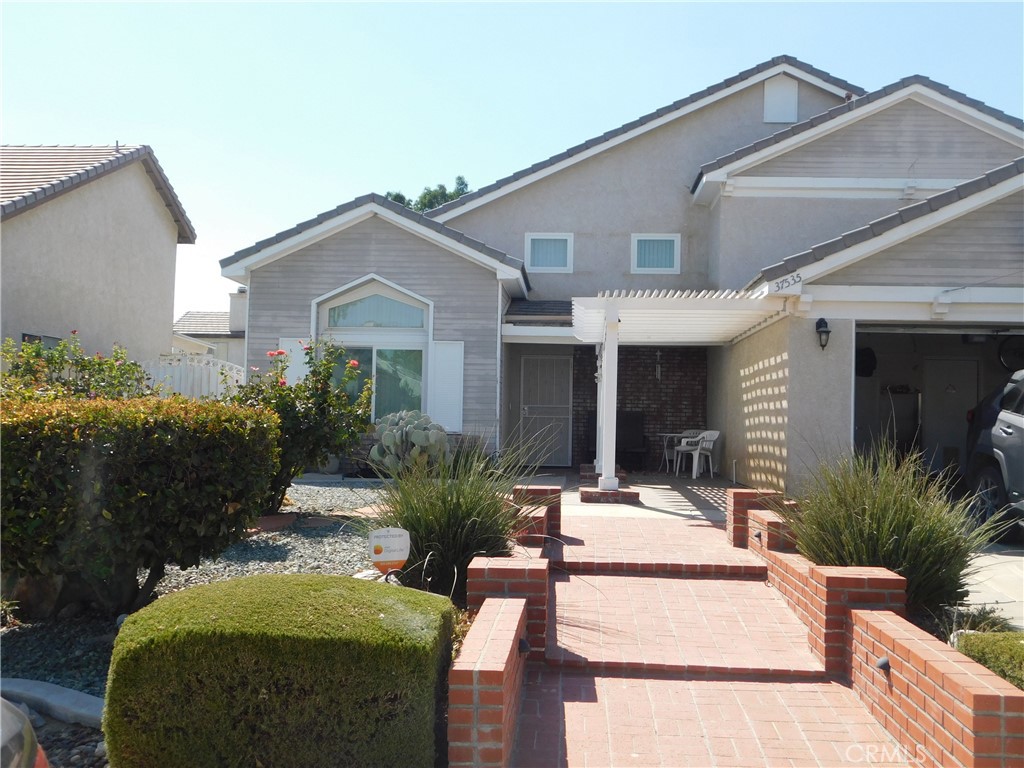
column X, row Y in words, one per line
column 894, row 236
column 831, row 187
column 537, row 334
column 917, row 92
column 927, row 312
column 344, row 221
column 638, row 131
column 241, row 268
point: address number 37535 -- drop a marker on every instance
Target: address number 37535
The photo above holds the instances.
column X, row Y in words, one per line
column 787, row 282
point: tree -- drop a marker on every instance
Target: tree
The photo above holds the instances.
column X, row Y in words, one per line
column 431, row 198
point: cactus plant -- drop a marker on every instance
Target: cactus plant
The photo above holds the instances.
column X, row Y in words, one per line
column 408, row 438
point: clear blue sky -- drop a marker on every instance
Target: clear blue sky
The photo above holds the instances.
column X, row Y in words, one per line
column 264, row 115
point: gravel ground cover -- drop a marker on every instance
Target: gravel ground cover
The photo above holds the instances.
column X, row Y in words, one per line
column 75, row 652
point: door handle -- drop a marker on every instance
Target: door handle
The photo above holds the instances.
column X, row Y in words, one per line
column 1006, row 431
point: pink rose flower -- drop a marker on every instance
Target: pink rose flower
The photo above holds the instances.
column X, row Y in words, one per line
column 353, row 363
column 271, row 353
column 280, row 352
column 282, row 382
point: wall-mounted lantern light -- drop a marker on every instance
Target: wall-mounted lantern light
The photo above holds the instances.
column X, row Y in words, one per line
column 822, row 329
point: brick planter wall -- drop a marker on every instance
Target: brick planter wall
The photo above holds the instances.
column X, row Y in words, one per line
column 943, row 708
column 484, row 684
column 525, row 576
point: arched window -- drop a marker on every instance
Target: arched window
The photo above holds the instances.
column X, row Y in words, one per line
column 387, row 331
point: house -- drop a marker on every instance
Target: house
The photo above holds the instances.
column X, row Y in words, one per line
column 88, row 240
column 221, row 334
column 781, row 256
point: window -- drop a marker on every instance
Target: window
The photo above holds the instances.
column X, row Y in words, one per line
column 397, row 378
column 546, row 252
column 375, row 311
column 388, row 330
column 48, row 342
column 655, row 254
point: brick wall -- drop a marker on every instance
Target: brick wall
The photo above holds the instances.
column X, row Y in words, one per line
column 524, row 575
column 484, row 684
column 677, row 402
column 943, row 708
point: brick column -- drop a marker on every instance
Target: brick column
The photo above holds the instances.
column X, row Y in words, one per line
column 738, row 504
column 524, row 576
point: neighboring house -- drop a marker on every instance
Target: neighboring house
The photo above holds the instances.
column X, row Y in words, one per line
column 678, row 266
column 222, row 334
column 88, row 242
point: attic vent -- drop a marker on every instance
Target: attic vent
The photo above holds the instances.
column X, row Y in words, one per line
column 780, row 99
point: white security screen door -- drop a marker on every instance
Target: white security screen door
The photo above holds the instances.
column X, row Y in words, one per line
column 546, row 408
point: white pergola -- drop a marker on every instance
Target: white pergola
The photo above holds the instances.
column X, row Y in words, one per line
column 680, row 318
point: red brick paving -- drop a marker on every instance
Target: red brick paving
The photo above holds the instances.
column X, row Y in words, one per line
column 696, row 626
column 576, row 718
column 665, row 648
column 673, row 546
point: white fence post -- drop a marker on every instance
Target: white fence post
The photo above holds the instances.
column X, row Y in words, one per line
column 193, row 375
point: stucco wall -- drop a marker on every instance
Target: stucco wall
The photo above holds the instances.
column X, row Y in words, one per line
column 758, row 232
column 640, row 186
column 98, row 259
column 784, row 403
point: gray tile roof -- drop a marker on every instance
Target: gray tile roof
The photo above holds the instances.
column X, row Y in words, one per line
column 851, row 106
column 31, row 175
column 640, row 121
column 881, row 226
column 391, row 205
column 206, row 324
column 528, row 308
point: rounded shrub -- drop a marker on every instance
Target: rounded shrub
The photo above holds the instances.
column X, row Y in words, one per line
column 279, row 670
column 1001, row 652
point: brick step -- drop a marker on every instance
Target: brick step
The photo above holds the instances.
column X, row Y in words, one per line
column 687, row 570
column 702, row 628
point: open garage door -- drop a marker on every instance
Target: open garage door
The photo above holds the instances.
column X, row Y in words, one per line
column 915, row 384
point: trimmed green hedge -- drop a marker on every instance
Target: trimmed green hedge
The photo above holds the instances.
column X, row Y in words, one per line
column 279, row 670
column 94, row 490
column 1002, row 652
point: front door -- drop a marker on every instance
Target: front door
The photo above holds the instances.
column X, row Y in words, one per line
column 545, row 423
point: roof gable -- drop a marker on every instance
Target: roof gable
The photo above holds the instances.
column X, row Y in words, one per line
column 32, row 175
column 778, row 65
column 346, row 215
column 918, row 87
column 907, row 222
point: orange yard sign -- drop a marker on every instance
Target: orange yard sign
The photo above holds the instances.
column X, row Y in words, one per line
column 389, row 548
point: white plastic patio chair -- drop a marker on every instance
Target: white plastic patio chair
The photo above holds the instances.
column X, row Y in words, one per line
column 669, row 442
column 699, row 448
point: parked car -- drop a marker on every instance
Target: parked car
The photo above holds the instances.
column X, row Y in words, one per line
column 995, row 451
column 18, row 745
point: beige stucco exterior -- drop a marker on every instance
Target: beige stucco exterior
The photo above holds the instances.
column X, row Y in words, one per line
column 783, row 403
column 98, row 259
column 641, row 186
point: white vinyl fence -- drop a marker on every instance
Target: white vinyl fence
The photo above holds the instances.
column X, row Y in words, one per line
column 194, row 375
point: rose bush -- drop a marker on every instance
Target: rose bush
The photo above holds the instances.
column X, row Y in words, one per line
column 317, row 416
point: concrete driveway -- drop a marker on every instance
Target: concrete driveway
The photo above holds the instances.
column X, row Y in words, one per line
column 999, row 581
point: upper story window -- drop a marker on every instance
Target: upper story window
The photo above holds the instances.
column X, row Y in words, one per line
column 376, row 311
column 548, row 252
column 655, row 254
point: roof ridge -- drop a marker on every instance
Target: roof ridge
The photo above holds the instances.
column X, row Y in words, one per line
column 384, row 202
column 851, row 106
column 125, row 154
column 644, row 119
column 881, row 225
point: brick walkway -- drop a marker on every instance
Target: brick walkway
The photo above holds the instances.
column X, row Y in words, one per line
column 666, row 648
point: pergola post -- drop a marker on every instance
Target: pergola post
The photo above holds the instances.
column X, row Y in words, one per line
column 607, row 399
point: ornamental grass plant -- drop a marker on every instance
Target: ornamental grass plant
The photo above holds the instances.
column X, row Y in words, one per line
column 459, row 508
column 884, row 509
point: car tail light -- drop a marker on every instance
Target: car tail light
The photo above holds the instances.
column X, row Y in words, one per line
column 41, row 761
